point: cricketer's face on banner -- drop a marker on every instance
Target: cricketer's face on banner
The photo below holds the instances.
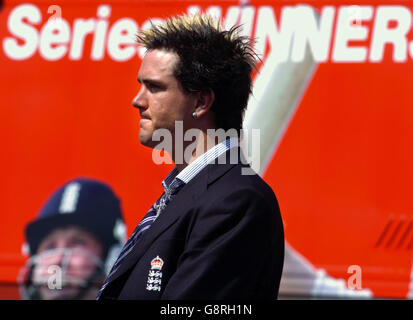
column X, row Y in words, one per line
column 65, row 262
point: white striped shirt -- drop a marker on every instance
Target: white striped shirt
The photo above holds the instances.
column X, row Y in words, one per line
column 190, row 171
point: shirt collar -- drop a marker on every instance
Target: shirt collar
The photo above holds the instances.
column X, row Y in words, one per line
column 199, row 163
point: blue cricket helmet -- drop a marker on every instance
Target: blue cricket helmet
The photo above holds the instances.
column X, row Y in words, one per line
column 86, row 203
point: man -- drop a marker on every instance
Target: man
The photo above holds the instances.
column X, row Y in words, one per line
column 73, row 242
column 215, row 233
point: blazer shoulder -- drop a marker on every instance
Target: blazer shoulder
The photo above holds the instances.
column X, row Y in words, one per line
column 241, row 180
column 245, row 177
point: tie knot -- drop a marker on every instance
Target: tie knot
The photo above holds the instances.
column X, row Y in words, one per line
column 175, row 186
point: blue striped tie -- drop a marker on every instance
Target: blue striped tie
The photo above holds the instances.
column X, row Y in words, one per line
column 144, row 225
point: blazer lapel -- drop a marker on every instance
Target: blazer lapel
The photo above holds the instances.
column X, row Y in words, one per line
column 170, row 215
column 222, row 164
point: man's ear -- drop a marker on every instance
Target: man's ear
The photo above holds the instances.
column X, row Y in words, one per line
column 204, row 102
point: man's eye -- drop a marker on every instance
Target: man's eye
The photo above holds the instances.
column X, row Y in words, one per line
column 49, row 246
column 153, row 88
column 79, row 241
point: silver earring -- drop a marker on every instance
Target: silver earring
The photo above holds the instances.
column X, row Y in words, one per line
column 194, row 115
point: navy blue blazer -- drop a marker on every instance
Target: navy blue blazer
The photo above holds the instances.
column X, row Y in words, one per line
column 221, row 237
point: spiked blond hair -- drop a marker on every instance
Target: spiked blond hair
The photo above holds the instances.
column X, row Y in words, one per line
column 210, row 58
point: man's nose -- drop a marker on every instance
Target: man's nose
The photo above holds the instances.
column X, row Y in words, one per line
column 58, row 258
column 139, row 101
column 54, row 257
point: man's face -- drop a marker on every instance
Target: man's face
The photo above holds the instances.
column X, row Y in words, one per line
column 70, row 250
column 161, row 99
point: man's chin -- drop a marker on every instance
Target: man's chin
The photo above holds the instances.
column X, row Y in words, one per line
column 147, row 142
column 146, row 139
